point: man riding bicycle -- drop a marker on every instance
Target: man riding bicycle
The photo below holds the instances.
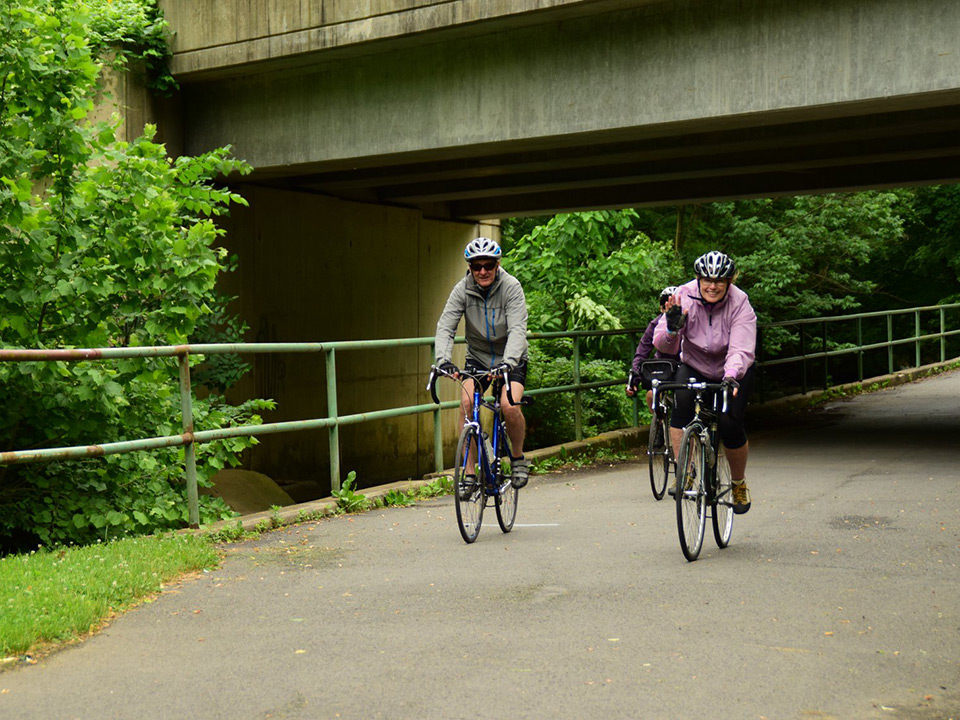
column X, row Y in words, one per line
column 494, row 309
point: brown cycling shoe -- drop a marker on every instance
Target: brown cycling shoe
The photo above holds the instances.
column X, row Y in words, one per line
column 741, row 497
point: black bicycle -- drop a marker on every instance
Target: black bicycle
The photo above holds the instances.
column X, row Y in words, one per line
column 482, row 468
column 659, row 448
column 702, row 471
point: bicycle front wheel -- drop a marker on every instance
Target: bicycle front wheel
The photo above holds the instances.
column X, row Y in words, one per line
column 507, row 494
column 722, row 508
column 468, row 493
column 658, row 453
column 691, row 493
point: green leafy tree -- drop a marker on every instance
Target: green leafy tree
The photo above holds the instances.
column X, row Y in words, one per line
column 922, row 266
column 590, row 270
column 102, row 243
column 803, row 256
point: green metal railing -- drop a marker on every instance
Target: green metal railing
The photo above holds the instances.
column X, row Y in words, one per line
column 857, row 345
column 334, row 421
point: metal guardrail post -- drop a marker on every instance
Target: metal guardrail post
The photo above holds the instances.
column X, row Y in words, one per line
column 916, row 334
column 860, row 349
column 437, row 425
column 577, row 398
column 943, row 337
column 803, row 363
column 190, row 448
column 759, row 362
column 826, row 369
column 333, row 433
column 890, row 346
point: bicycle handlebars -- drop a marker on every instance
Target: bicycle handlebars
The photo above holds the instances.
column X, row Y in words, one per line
column 436, row 372
column 698, row 385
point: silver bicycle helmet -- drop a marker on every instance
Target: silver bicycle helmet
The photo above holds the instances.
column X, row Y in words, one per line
column 481, row 247
column 714, row 265
column 667, row 292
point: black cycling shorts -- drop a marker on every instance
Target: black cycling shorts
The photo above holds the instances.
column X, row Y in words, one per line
column 729, row 424
column 517, row 375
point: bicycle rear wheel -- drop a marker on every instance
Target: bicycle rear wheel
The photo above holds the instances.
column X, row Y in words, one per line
column 658, row 453
column 507, row 495
column 691, row 493
column 722, row 508
column 469, row 507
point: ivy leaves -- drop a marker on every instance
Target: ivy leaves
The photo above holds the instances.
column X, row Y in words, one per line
column 102, row 243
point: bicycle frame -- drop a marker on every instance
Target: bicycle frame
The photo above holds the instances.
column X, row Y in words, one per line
column 660, row 460
column 490, row 466
column 664, row 404
column 493, row 478
column 488, row 459
column 703, row 417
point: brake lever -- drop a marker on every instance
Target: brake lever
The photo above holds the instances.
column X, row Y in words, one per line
column 432, row 384
column 506, row 383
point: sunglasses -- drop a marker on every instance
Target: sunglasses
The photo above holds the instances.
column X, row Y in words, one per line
column 488, row 266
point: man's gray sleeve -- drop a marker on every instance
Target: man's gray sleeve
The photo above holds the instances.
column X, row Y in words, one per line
column 516, row 308
column 447, row 324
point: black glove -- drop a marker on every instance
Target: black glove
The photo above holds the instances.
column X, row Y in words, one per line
column 448, row 368
column 731, row 384
column 676, row 318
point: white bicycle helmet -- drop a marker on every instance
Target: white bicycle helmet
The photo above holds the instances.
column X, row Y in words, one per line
column 481, row 247
column 714, row 265
column 667, row 292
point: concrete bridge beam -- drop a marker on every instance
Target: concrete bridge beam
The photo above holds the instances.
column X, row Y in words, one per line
column 590, row 104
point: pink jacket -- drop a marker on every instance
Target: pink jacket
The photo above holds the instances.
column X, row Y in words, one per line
column 719, row 340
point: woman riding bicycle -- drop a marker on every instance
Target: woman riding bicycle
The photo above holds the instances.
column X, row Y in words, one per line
column 646, row 345
column 711, row 323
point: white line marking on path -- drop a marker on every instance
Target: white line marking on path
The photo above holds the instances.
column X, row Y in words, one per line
column 537, row 525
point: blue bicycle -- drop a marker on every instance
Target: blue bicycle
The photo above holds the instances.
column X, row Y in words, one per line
column 482, row 466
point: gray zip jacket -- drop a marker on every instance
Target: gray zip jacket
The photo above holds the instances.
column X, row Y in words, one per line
column 495, row 325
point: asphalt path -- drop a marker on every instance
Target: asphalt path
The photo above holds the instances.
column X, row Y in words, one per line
column 839, row 597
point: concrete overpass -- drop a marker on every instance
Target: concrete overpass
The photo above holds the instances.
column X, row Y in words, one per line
column 385, row 133
column 485, row 108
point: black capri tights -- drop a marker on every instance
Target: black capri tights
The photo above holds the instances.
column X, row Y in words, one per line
column 729, row 424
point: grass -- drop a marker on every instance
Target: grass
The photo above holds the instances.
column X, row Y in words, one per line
column 54, row 596
column 589, row 458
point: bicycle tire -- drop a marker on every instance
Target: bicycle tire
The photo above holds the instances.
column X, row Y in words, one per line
column 507, row 494
column 722, row 506
column 658, row 455
column 691, row 493
column 470, row 509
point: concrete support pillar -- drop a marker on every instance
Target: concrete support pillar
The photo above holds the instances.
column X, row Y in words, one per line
column 313, row 268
